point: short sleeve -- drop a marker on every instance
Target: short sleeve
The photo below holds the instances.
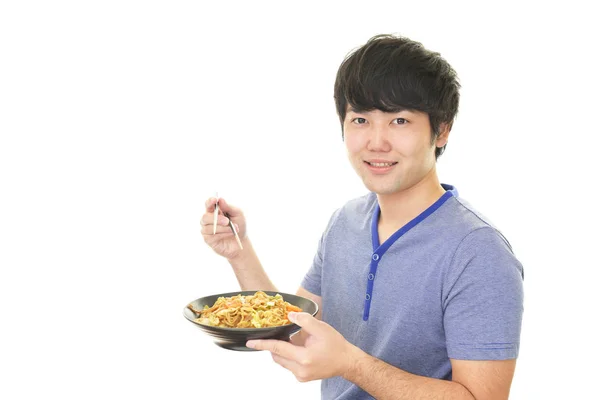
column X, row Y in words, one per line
column 312, row 279
column 483, row 299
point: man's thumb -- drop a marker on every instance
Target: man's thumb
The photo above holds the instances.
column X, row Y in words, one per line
column 304, row 320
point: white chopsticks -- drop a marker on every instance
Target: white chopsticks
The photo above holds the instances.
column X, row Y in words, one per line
column 234, row 231
column 216, row 216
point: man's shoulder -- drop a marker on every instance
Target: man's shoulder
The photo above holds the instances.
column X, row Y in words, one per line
column 358, row 210
column 360, row 205
column 459, row 212
column 355, row 213
column 469, row 223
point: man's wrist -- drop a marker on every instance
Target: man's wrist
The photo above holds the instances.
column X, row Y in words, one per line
column 240, row 260
column 355, row 362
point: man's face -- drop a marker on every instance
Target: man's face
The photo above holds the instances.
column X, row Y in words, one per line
column 390, row 151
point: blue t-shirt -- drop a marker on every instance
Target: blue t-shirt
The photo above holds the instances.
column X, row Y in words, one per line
column 446, row 285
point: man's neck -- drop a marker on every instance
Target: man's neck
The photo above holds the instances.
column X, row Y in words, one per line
column 397, row 209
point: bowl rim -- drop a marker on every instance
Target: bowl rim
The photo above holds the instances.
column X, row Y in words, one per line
column 249, row 330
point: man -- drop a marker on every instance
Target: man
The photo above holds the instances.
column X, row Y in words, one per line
column 420, row 296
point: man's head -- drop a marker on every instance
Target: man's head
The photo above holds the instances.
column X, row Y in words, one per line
column 378, row 87
column 391, row 73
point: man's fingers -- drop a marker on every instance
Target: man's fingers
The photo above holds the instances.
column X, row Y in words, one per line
column 210, row 204
column 290, row 365
column 306, row 321
column 229, row 209
column 279, row 347
column 207, row 230
column 301, row 372
column 208, row 220
column 224, row 206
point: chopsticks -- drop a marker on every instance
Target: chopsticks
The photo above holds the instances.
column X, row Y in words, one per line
column 234, row 231
column 216, row 216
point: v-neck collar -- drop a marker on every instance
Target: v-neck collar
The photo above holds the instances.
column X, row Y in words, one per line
column 381, row 248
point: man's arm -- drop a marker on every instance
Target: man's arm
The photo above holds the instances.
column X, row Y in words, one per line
column 485, row 379
column 249, row 271
column 470, row 380
column 328, row 354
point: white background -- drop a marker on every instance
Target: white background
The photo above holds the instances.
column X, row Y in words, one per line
column 119, row 118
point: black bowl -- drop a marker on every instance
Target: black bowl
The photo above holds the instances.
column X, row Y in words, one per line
column 236, row 338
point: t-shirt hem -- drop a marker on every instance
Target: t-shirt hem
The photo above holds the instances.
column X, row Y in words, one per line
column 311, row 286
column 490, row 351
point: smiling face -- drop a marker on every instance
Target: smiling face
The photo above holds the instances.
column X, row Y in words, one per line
column 391, row 152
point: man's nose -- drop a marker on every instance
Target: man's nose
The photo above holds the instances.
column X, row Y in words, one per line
column 378, row 140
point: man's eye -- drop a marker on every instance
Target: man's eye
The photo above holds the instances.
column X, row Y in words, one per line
column 359, row 120
column 400, row 121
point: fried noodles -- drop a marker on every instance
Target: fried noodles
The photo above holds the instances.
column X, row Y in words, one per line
column 256, row 311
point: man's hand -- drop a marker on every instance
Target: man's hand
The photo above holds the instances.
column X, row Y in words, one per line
column 325, row 353
column 223, row 242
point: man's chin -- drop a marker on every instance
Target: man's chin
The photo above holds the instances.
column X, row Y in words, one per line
column 380, row 189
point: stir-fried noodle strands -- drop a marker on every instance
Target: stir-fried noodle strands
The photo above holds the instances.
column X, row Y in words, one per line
column 257, row 311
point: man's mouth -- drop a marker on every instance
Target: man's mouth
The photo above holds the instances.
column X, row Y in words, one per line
column 381, row 164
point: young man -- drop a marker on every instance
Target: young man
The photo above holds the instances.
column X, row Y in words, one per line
column 420, row 296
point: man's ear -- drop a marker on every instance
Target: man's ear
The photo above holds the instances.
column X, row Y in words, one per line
column 442, row 138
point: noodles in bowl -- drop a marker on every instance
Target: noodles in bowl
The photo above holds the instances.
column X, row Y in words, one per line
column 253, row 311
column 231, row 319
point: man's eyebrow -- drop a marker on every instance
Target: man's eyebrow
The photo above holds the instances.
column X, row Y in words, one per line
column 362, row 111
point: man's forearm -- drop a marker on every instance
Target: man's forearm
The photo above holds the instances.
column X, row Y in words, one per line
column 384, row 381
column 249, row 271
